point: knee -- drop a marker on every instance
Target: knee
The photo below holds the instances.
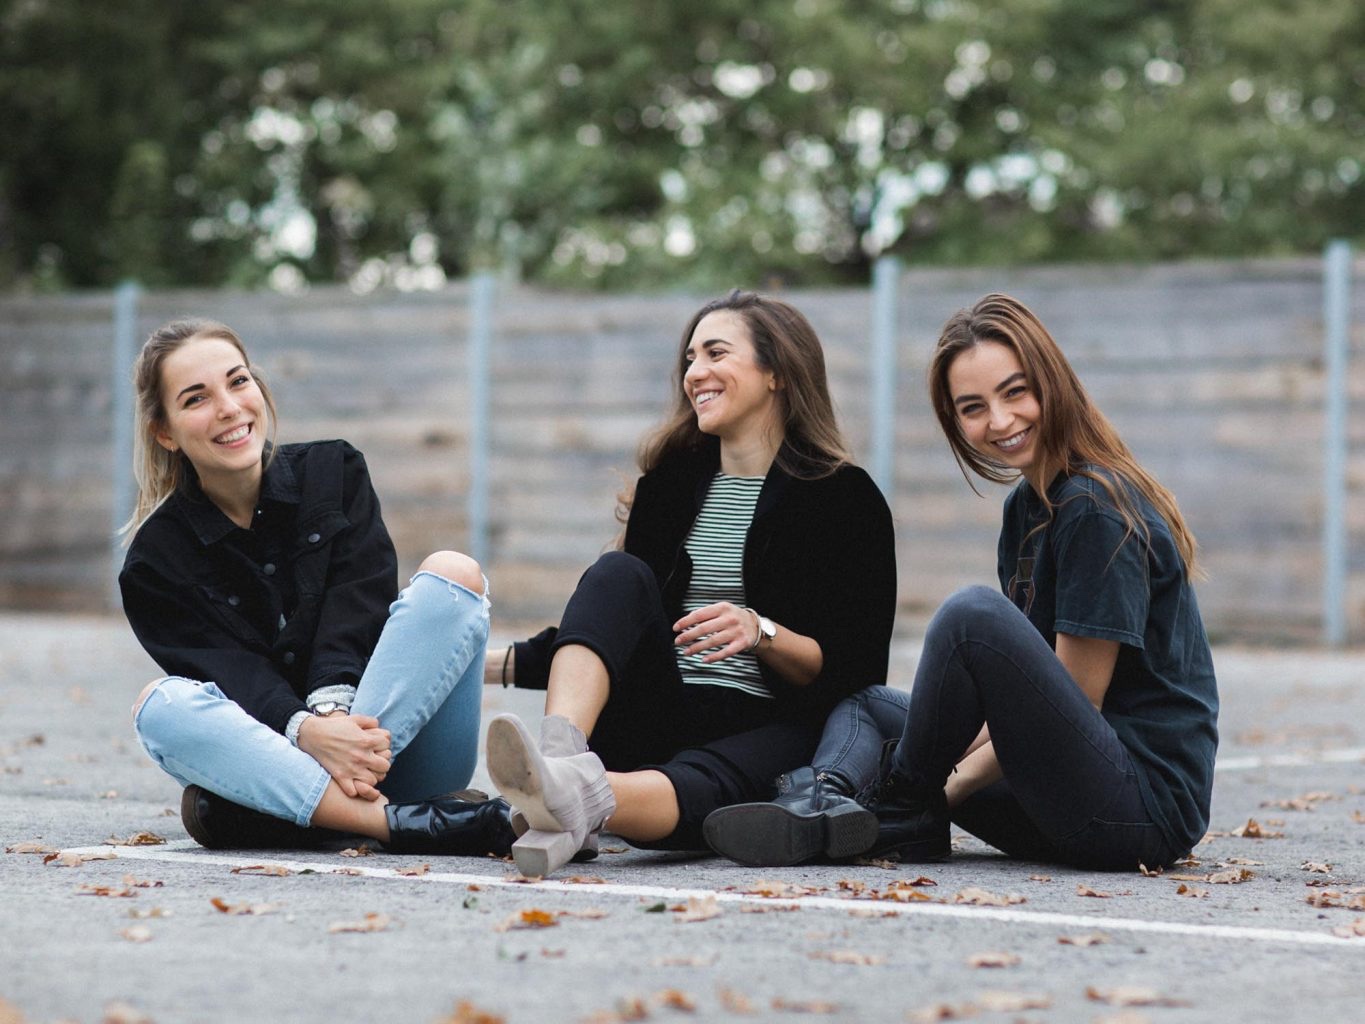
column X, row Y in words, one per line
column 142, row 697
column 619, row 567
column 156, row 695
column 970, row 605
column 456, row 567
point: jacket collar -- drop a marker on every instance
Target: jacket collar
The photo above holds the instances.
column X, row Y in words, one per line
column 279, row 483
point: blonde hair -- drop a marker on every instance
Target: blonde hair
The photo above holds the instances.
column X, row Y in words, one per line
column 160, row 472
column 1072, row 432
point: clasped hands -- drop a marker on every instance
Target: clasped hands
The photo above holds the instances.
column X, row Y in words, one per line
column 724, row 629
column 353, row 749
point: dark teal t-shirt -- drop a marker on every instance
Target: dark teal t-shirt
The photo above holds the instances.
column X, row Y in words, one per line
column 1080, row 575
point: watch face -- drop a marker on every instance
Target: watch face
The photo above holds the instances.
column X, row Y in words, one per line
column 768, row 628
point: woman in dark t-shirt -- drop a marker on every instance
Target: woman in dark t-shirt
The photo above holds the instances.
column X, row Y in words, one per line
column 1071, row 719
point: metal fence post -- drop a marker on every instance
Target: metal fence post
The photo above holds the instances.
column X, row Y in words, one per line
column 481, row 292
column 882, row 373
column 121, row 387
column 1336, row 320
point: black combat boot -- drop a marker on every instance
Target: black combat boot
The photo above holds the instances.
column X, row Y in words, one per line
column 446, row 825
column 219, row 824
column 812, row 816
column 912, row 821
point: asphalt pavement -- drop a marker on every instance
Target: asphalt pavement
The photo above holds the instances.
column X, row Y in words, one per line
column 1269, row 924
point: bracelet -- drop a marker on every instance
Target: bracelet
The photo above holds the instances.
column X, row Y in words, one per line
column 758, row 632
column 505, row 659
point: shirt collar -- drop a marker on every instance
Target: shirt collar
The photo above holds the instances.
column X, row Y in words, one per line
column 279, row 483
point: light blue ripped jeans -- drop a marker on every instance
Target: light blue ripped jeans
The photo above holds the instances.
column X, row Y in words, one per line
column 424, row 683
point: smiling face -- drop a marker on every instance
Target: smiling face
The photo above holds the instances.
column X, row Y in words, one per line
column 733, row 396
column 212, row 409
column 997, row 409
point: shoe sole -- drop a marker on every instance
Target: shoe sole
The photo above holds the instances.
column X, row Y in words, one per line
column 513, row 768
column 769, row 835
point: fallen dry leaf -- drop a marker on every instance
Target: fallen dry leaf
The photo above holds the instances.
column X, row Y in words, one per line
column 586, row 880
column 1187, row 890
column 940, row 1011
column 1358, row 817
column 416, row 871
column 698, row 910
column 1253, row 830
column 9, row 1013
column 1148, row 872
column 142, row 914
column 775, row 890
column 1040, row 878
column 684, row 961
column 118, row 1012
column 768, row 908
column 278, row 870
column 104, row 890
column 1131, row 995
column 735, row 1002
column 243, row 909
column 1083, row 939
column 1186, row 877
column 675, row 999
column 1333, row 898
column 591, row 914
column 804, row 1005
column 371, row 922
column 142, row 883
column 993, row 960
column 1233, row 876
column 1304, row 802
column 72, row 859
column 29, row 847
column 529, row 918
column 1085, row 890
column 137, row 839
column 1012, row 1002
column 137, row 933
column 632, row 1008
column 356, row 851
column 1314, row 866
column 466, row 1012
column 878, row 862
column 614, row 849
column 554, row 954
column 1354, row 930
column 981, row 898
column 1244, row 861
column 848, row 956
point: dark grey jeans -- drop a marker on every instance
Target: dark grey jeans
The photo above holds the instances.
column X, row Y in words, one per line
column 1070, row 792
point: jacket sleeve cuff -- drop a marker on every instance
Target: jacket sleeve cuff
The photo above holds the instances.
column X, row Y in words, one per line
column 340, row 693
column 533, row 660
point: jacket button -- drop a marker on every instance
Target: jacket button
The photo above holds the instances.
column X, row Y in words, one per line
column 288, row 657
column 268, row 568
column 313, row 538
column 234, row 600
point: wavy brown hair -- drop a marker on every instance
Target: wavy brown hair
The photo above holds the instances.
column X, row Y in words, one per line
column 786, row 344
column 159, row 472
column 1073, row 434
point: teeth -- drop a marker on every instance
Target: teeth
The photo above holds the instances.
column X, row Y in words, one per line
column 706, row 396
column 234, row 435
column 1012, row 442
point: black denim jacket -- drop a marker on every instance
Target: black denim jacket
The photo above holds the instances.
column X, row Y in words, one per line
column 819, row 559
column 272, row 613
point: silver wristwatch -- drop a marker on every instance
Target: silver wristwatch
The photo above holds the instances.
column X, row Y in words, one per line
column 767, row 630
column 326, row 707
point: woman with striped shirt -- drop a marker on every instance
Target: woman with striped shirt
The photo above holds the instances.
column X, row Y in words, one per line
column 756, row 588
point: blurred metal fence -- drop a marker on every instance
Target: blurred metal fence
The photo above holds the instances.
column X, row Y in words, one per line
column 503, row 420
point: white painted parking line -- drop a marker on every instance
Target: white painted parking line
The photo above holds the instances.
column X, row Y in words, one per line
column 1349, row 755
column 180, row 852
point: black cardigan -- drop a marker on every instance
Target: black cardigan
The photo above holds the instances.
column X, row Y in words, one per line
column 206, row 603
column 819, row 559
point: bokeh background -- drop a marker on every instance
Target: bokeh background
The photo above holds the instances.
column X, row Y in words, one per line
column 1161, row 180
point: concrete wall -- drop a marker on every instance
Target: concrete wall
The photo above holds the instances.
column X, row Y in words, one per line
column 1212, row 372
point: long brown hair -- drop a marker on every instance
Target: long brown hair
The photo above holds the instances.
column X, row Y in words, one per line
column 786, row 344
column 159, row 472
column 1072, row 433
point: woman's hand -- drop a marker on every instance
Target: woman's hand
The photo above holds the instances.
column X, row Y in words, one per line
column 724, row 629
column 353, row 749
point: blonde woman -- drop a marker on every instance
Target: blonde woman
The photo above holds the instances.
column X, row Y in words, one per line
column 304, row 695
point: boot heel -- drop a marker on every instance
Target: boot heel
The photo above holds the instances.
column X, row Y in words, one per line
column 849, row 831
column 538, row 854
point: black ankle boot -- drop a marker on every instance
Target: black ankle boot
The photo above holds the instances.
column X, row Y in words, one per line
column 218, row 824
column 912, row 821
column 460, row 828
column 811, row 817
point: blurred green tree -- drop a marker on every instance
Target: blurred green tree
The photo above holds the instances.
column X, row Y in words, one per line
column 660, row 144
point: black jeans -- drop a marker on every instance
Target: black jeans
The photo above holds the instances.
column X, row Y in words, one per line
column 717, row 746
column 1070, row 792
